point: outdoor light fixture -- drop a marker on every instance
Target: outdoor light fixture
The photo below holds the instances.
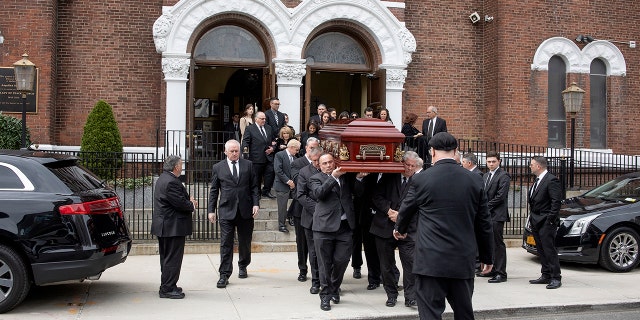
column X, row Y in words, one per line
column 588, row 39
column 572, row 98
column 1, row 38
column 25, row 73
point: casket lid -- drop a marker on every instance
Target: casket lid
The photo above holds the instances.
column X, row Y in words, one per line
column 364, row 127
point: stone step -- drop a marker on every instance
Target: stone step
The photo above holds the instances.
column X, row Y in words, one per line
column 151, row 248
column 274, row 236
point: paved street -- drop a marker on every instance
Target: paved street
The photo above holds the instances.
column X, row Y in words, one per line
column 130, row 291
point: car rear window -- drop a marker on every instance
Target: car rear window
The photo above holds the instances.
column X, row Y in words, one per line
column 75, row 177
column 9, row 179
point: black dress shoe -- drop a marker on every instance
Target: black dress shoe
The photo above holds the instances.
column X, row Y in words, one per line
column 179, row 289
column 554, row 284
column 497, row 279
column 175, row 294
column 268, row 195
column 391, row 302
column 324, row 303
column 335, row 298
column 314, row 290
column 372, row 286
column 356, row 273
column 283, row 229
column 242, row 273
column 410, row 303
column 541, row 280
column 290, row 220
column 223, row 282
column 302, row 277
column 485, row 275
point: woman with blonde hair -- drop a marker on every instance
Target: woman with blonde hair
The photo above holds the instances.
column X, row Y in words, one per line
column 284, row 136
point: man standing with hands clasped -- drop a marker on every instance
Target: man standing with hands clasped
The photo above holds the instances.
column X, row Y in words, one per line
column 171, row 223
column 452, row 220
column 544, row 206
column 234, row 181
column 497, row 186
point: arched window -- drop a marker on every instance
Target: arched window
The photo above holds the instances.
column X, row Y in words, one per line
column 229, row 44
column 598, row 102
column 337, row 50
column 557, row 119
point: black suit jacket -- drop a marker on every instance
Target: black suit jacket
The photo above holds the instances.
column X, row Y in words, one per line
column 388, row 195
column 333, row 200
column 453, row 221
column 440, row 126
column 282, row 170
column 271, row 121
column 304, row 196
column 234, row 131
column 172, row 207
column 497, row 193
column 235, row 196
column 544, row 204
column 476, row 170
column 256, row 143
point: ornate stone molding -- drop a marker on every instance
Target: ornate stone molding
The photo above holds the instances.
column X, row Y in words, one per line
column 290, row 73
column 161, row 29
column 579, row 61
column 175, row 68
column 408, row 44
column 396, row 78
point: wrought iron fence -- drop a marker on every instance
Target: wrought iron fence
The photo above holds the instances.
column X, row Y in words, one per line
column 132, row 175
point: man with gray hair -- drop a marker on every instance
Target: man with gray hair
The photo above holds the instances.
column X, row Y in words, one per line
column 171, row 223
column 387, row 198
column 470, row 162
column 430, row 126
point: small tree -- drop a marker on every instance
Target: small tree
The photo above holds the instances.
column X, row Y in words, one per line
column 101, row 147
column 11, row 133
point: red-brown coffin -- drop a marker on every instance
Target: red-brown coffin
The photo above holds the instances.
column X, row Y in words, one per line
column 364, row 145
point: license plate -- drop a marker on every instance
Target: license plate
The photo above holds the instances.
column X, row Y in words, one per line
column 531, row 241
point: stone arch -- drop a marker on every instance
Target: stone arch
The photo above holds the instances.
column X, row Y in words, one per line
column 562, row 47
column 607, row 52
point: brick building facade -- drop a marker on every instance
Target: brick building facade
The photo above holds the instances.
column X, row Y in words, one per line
column 489, row 79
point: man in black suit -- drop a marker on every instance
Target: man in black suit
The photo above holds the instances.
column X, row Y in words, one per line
column 365, row 211
column 387, row 198
column 430, row 126
column 171, row 223
column 233, row 179
column 317, row 118
column 284, row 182
column 544, row 206
column 453, row 222
column 275, row 118
column 470, row 162
column 233, row 127
column 308, row 204
column 258, row 138
column 296, row 209
column 496, row 183
column 333, row 224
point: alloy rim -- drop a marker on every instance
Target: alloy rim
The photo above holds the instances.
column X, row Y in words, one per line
column 6, row 280
column 623, row 250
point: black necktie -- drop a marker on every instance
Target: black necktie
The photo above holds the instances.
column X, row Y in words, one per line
column 535, row 185
column 275, row 115
column 430, row 129
column 404, row 181
column 235, row 170
column 263, row 133
column 488, row 179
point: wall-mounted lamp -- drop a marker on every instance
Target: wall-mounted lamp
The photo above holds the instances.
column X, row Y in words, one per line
column 488, row 18
column 1, row 38
column 588, row 39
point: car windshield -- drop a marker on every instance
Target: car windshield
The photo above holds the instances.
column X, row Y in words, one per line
column 624, row 188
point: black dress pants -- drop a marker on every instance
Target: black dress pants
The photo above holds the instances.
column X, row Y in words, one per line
column 264, row 174
column 171, row 251
column 500, row 249
column 334, row 250
column 386, row 251
column 313, row 258
column 301, row 245
column 545, row 236
column 432, row 292
column 228, row 228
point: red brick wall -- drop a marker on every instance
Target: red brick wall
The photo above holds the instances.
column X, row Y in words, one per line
column 106, row 51
column 38, row 40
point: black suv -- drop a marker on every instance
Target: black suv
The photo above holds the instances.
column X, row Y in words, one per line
column 58, row 222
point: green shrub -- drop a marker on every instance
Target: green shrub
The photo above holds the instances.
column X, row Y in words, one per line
column 101, row 147
column 133, row 183
column 11, row 133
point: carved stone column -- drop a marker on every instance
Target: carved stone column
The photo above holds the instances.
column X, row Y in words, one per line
column 289, row 74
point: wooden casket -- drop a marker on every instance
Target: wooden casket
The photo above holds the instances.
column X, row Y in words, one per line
column 364, row 145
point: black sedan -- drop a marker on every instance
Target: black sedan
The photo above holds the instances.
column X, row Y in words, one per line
column 58, row 222
column 600, row 226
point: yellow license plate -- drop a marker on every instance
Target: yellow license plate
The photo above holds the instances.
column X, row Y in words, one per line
column 531, row 241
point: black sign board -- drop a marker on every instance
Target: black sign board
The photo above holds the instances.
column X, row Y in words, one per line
column 10, row 98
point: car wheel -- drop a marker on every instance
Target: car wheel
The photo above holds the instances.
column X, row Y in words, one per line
column 14, row 279
column 619, row 251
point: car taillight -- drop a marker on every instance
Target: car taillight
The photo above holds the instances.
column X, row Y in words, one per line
column 93, row 207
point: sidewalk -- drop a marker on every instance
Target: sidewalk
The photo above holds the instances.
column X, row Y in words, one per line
column 130, row 291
